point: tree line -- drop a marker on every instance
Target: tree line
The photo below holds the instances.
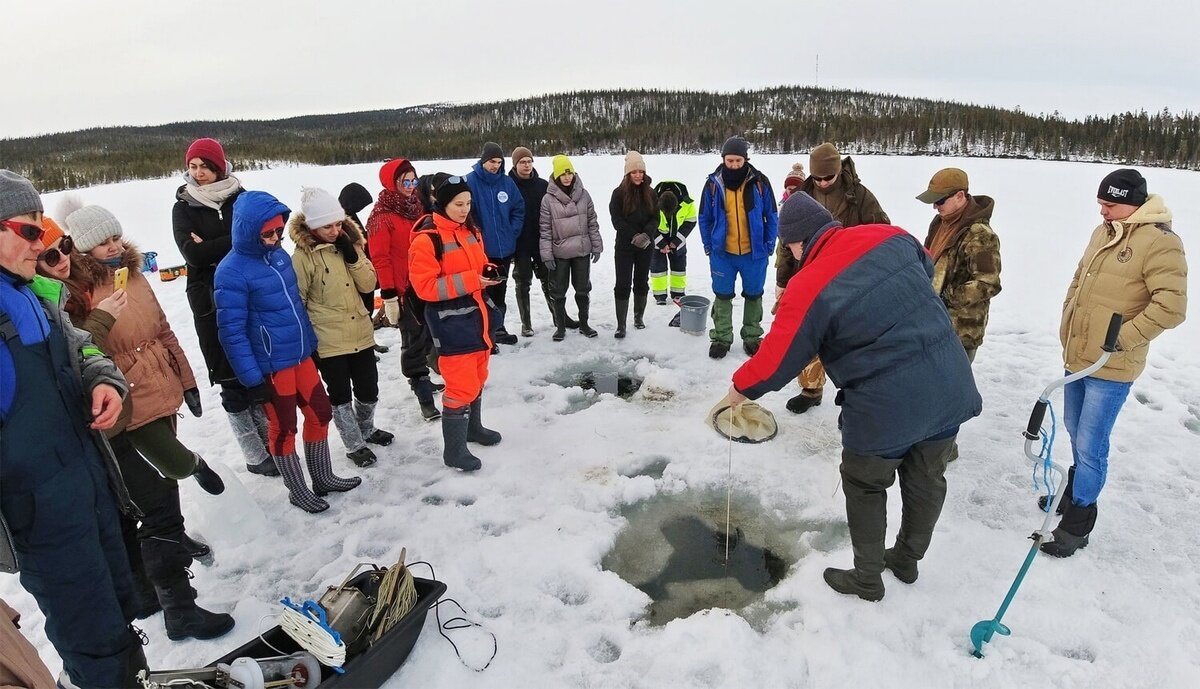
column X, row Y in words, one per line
column 788, row 119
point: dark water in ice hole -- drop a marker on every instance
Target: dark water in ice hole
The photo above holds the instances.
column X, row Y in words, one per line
column 595, row 378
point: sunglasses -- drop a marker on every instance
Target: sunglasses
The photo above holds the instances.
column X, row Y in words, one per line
column 409, row 183
column 453, row 180
column 28, row 232
column 826, row 178
column 945, row 198
column 277, row 233
column 51, row 257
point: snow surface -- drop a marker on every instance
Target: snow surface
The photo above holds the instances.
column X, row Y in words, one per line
column 519, row 543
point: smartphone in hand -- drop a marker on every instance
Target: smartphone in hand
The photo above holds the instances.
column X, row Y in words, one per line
column 120, row 278
column 491, row 272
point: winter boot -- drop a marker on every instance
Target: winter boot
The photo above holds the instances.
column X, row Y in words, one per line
column 476, row 433
column 852, row 582
column 639, row 311
column 455, row 426
column 904, row 568
column 1044, row 501
column 196, row 549
column 523, row 308
column 622, row 314
column 504, row 337
column 1072, row 532
column 660, row 299
column 584, row 301
column 252, row 441
column 347, row 426
column 751, row 346
column 364, row 413
column 807, row 399
column 320, row 468
column 185, row 619
column 208, row 479
column 721, row 333
column 718, row 350
column 299, row 494
column 560, row 320
column 423, row 388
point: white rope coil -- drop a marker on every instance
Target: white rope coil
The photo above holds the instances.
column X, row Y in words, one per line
column 312, row 637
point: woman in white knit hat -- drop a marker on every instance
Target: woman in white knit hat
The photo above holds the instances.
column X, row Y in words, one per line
column 332, row 270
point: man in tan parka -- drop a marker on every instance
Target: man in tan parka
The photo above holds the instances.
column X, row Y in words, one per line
column 1133, row 265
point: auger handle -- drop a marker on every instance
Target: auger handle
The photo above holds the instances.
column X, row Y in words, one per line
column 1110, row 338
column 1035, row 419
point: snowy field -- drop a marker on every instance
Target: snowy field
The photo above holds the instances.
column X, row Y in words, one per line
column 520, row 542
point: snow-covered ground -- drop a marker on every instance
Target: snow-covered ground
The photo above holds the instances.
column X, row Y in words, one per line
column 520, row 543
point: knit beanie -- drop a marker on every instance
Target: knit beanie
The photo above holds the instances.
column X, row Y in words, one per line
column 491, row 150
column 520, row 153
column 320, row 208
column 634, row 162
column 795, row 177
column 210, row 151
column 51, row 231
column 559, row 165
column 447, row 190
column 736, row 146
column 354, row 198
column 91, row 226
column 824, row 161
column 1123, row 186
column 17, row 196
column 801, row 218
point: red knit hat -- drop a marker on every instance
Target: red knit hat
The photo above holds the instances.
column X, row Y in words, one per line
column 208, row 150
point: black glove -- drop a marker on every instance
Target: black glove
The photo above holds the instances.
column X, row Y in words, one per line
column 261, row 393
column 596, row 257
column 192, row 397
column 550, row 265
column 346, row 248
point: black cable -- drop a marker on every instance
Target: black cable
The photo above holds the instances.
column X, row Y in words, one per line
column 457, row 622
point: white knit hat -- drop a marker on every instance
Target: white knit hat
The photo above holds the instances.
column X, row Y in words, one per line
column 91, row 226
column 320, row 208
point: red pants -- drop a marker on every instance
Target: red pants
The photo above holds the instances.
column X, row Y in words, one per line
column 298, row 386
column 465, row 375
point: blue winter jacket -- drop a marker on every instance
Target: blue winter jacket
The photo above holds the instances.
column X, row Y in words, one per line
column 261, row 321
column 499, row 210
column 760, row 210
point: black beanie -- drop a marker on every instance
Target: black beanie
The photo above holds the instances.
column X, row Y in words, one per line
column 491, row 150
column 802, row 218
column 1123, row 186
column 736, row 146
column 354, row 198
column 447, row 190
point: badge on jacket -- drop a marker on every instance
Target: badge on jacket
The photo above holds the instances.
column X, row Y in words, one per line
column 502, row 197
column 1125, row 255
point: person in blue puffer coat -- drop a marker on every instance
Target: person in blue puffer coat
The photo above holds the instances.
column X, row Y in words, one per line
column 499, row 211
column 266, row 333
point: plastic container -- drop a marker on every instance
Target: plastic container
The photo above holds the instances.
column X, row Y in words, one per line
column 372, row 667
column 693, row 314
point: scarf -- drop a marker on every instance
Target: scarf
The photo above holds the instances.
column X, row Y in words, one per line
column 394, row 202
column 212, row 195
column 950, row 224
column 734, row 178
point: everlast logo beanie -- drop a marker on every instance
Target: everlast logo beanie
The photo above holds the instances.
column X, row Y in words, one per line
column 1123, row 186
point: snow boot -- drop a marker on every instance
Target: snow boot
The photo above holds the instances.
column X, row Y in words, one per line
column 184, row 619
column 751, row 346
column 208, row 479
column 364, row 413
column 1073, row 531
column 853, row 582
column 476, row 433
column 1044, row 500
column 320, row 468
column 299, row 494
column 523, row 308
column 504, row 337
column 718, row 350
column 252, row 440
column 584, row 303
column 622, row 314
column 807, row 399
column 660, row 300
column 198, row 550
column 639, row 311
column 423, row 388
column 455, row 427
column 902, row 567
column 347, row 425
column 560, row 320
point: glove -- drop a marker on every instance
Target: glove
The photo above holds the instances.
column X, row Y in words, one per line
column 261, row 393
column 596, row 257
column 641, row 240
column 391, row 309
column 550, row 265
column 346, row 248
column 192, row 397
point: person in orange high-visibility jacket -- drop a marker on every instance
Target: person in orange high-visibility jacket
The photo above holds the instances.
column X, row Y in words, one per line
column 446, row 267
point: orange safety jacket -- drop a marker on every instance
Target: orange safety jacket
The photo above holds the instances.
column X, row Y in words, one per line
column 445, row 263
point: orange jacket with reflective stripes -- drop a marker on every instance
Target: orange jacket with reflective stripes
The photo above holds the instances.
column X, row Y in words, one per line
column 448, row 281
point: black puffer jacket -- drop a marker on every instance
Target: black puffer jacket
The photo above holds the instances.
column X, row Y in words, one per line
column 532, row 191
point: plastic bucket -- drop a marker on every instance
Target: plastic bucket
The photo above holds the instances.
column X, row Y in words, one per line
column 693, row 314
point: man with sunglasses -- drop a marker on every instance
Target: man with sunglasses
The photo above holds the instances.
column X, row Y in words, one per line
column 58, row 516
column 834, row 183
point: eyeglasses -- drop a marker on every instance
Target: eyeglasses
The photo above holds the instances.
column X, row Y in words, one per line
column 51, row 257
column 525, row 161
column 826, row 178
column 277, row 233
column 27, row 231
column 409, row 183
column 945, row 198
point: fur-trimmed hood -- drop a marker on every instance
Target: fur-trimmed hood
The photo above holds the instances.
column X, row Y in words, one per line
column 302, row 235
column 87, row 271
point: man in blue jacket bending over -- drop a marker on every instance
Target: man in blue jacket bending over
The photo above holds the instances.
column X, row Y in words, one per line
column 861, row 300
column 498, row 206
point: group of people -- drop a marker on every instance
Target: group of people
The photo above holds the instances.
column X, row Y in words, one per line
column 92, row 375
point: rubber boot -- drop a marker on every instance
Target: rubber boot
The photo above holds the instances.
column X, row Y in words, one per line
column 364, row 413
column 904, row 568
column 583, row 301
column 1073, row 531
column 549, row 301
column 560, row 320
column 476, row 433
column 423, row 388
column 523, row 309
column 246, row 432
column 1044, row 500
column 208, row 479
column 299, row 494
column 807, row 399
column 166, row 564
column 639, row 311
column 455, row 426
column 320, row 468
column 347, row 426
column 622, row 315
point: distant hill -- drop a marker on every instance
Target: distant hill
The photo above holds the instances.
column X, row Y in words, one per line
column 789, row 119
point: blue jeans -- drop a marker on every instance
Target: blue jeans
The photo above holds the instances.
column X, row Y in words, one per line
column 1090, row 411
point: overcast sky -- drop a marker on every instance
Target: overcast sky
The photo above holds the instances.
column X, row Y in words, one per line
column 70, row 64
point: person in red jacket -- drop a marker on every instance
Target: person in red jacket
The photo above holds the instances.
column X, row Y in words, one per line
column 389, row 232
column 448, row 265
